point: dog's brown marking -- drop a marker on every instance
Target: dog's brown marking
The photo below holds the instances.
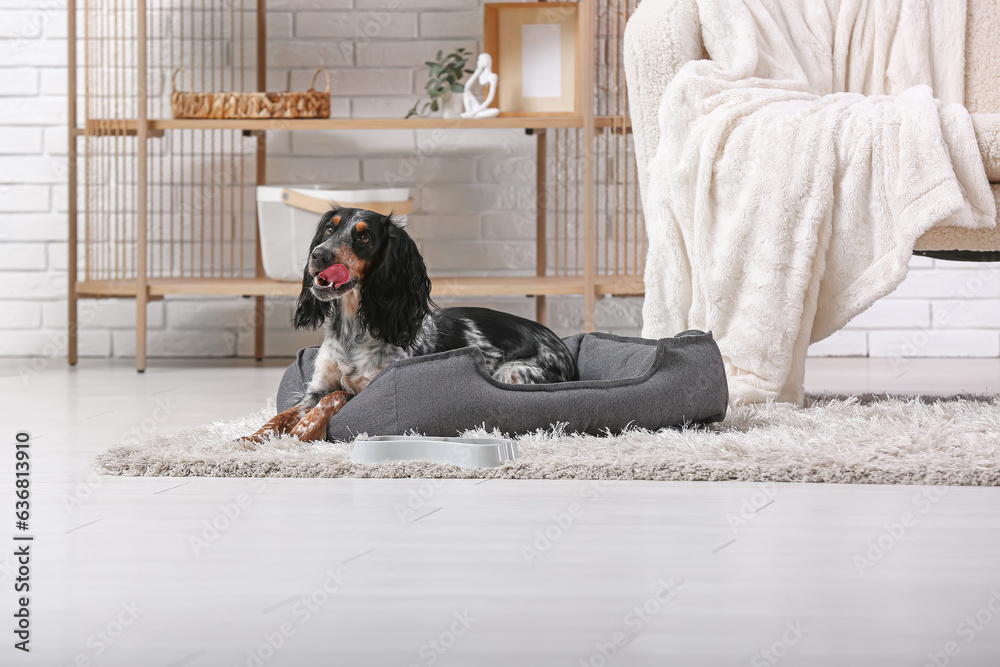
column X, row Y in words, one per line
column 349, row 307
column 308, row 427
column 361, row 226
column 355, row 265
column 355, row 383
column 336, row 219
column 283, row 422
column 313, row 425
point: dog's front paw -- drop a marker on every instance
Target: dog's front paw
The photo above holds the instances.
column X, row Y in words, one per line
column 283, row 422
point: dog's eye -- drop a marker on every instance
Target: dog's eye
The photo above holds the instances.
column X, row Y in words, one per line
column 329, row 230
column 364, row 238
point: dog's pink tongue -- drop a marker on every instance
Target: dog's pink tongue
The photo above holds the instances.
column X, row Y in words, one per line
column 336, row 275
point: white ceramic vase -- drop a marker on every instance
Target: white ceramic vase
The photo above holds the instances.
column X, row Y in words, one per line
column 451, row 105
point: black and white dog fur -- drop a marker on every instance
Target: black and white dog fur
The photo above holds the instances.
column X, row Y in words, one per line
column 381, row 311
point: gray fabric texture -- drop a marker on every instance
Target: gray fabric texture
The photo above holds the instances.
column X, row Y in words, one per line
column 624, row 382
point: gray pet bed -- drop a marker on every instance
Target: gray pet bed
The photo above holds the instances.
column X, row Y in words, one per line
column 623, row 382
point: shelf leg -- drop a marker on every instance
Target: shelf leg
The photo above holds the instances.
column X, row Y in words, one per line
column 72, row 343
column 259, row 311
column 258, row 328
column 142, row 134
column 541, row 203
column 260, row 314
column 586, row 104
column 141, row 299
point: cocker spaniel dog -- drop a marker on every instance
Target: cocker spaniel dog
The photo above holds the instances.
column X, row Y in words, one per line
column 367, row 281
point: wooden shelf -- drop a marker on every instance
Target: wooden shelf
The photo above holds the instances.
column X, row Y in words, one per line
column 619, row 285
column 522, row 122
column 112, row 127
column 223, row 286
column 104, row 127
column 160, row 287
column 442, row 286
column 105, row 289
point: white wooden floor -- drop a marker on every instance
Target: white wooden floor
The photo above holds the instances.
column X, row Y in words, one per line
column 418, row 572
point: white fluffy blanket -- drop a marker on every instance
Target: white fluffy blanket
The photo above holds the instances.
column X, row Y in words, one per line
column 797, row 167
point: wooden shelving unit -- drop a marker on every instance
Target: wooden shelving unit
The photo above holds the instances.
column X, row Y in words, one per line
column 161, row 194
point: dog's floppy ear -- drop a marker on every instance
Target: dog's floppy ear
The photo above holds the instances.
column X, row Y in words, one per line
column 396, row 295
column 310, row 312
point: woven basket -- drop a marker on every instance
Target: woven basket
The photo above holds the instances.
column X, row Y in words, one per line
column 310, row 104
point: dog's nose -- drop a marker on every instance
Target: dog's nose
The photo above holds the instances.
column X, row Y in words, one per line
column 322, row 256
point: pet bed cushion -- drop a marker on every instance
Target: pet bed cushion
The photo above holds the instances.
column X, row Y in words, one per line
column 623, row 382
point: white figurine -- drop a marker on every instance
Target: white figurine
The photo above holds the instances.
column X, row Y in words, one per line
column 484, row 77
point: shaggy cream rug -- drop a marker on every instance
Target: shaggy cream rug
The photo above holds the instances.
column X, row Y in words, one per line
column 866, row 439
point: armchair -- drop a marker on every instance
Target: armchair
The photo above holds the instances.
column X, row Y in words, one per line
column 662, row 35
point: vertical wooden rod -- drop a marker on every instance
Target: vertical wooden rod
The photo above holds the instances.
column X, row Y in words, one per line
column 102, row 92
column 107, row 146
column 142, row 133
column 88, row 204
column 259, row 312
column 607, row 135
column 233, row 138
column 586, row 103
column 615, row 207
column 89, row 233
column 215, row 161
column 201, row 199
column 117, row 40
column 640, row 231
column 541, row 240
column 242, row 219
column 577, row 213
column 556, row 215
column 571, row 158
column 172, row 159
column 158, row 35
column 71, row 163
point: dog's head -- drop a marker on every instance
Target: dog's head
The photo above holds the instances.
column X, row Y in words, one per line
column 356, row 249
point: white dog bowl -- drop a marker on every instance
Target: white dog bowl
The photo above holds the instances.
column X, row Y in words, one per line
column 462, row 452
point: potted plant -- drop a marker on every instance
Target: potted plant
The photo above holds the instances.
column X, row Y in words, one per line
column 444, row 85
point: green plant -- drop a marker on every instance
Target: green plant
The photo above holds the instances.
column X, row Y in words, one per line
column 445, row 75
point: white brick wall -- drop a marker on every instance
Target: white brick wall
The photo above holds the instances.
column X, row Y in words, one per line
column 475, row 192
